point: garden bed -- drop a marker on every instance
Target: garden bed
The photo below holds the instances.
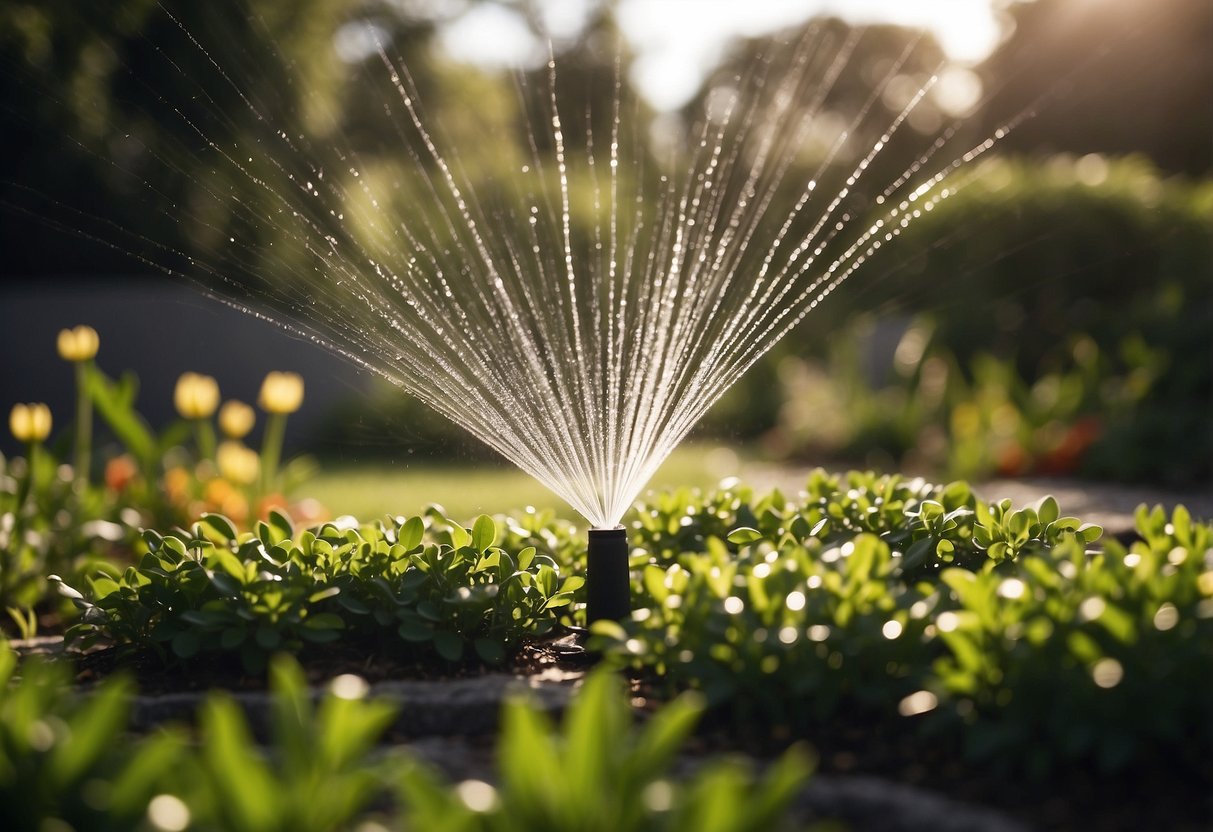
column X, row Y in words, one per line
column 935, row 650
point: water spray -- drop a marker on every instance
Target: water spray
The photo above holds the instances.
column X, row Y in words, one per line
column 607, row 586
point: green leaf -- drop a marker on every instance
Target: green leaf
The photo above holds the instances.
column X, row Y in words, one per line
column 323, row 594
column 490, row 651
column 247, row 796
column 448, row 645
column 268, row 638
column 186, row 643
column 207, row 619
column 484, row 532
column 324, row 621
column 114, row 404
column 220, row 525
column 665, row 733
column 744, row 535
column 460, row 536
column 414, row 629
column 1181, row 522
column 282, row 525
column 411, row 533
column 918, row 553
column 654, row 583
column 353, row 604
column 265, row 534
column 137, row 781
column 529, row 763
column 93, row 731
column 547, row 580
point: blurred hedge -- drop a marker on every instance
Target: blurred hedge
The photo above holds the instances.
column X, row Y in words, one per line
column 1083, row 281
column 1080, row 273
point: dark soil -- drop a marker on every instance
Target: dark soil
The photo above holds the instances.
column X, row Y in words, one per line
column 154, row 676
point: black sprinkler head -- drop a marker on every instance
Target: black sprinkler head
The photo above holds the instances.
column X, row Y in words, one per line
column 607, row 585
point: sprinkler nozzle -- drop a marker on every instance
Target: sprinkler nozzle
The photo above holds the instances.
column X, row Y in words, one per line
column 608, row 585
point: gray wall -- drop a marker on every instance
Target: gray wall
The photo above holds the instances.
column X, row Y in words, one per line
column 159, row 329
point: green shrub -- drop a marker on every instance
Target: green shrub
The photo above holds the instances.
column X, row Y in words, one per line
column 214, row 590
column 1058, row 321
column 874, row 597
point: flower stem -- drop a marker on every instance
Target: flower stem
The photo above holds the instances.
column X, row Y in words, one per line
column 205, row 436
column 26, row 487
column 84, row 424
column 271, row 450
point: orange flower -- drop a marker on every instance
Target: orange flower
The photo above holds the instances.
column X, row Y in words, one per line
column 119, row 472
column 1012, row 461
column 268, row 502
column 177, row 485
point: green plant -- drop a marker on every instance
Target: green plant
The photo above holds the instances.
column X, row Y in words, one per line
column 320, row 774
column 599, row 773
column 63, row 758
column 1068, row 644
column 47, row 525
column 895, row 599
column 215, row 590
column 61, row 761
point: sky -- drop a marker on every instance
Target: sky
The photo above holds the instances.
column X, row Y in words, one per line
column 678, row 42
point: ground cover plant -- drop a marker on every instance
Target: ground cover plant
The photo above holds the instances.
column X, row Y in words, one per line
column 1018, row 637
column 1015, row 638
column 442, row 590
column 62, row 762
column 1001, row 625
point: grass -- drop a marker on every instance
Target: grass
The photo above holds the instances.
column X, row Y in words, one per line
column 465, row 491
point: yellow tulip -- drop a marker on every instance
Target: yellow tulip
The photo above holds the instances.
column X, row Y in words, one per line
column 196, row 396
column 236, row 419
column 30, row 422
column 79, row 344
column 238, row 464
column 281, row 393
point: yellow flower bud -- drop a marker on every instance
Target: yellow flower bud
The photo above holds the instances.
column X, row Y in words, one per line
column 281, row 393
column 79, row 344
column 236, row 419
column 30, row 422
column 196, row 396
column 237, row 463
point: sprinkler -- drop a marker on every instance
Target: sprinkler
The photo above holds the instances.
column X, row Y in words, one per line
column 607, row 583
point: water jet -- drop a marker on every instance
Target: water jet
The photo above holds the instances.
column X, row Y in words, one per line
column 576, row 311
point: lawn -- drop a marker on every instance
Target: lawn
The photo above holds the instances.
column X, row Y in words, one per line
column 466, row 491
